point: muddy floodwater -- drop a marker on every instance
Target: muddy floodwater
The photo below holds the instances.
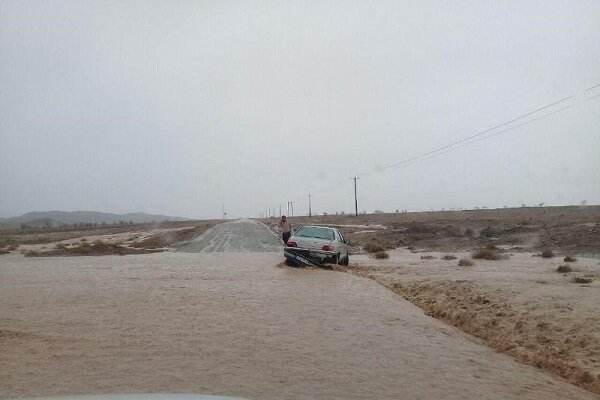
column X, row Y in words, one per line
column 233, row 323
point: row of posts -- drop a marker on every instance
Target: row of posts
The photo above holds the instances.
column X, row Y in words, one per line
column 290, row 206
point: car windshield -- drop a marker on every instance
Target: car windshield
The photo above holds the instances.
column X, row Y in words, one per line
column 315, row 232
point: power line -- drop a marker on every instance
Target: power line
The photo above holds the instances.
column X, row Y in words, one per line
column 486, row 137
column 396, row 164
column 593, row 97
column 592, row 87
column 485, row 134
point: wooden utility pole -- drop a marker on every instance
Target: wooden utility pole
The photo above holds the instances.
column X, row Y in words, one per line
column 355, row 198
column 309, row 207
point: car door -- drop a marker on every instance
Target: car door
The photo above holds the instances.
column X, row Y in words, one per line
column 343, row 245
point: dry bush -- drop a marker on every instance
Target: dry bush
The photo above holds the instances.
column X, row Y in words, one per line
column 83, row 248
column 60, row 246
column 578, row 279
column 449, row 257
column 486, row 254
column 382, row 255
column 570, row 259
column 31, row 253
column 165, row 239
column 564, row 269
column 547, row 253
column 492, row 246
column 469, row 232
column 428, row 257
column 9, row 246
column 422, row 228
column 372, row 246
column 465, row 262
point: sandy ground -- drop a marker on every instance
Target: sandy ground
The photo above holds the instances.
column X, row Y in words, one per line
column 123, row 238
column 571, row 229
column 233, row 323
column 520, row 305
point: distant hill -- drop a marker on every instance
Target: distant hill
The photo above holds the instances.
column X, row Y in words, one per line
column 57, row 218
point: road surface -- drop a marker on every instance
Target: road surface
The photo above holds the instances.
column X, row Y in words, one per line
column 243, row 235
column 235, row 323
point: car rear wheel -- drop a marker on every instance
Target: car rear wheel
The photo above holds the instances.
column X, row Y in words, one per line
column 345, row 261
column 336, row 259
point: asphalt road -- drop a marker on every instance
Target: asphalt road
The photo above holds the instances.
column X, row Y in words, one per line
column 244, row 235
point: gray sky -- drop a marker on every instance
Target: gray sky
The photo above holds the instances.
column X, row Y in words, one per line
column 177, row 107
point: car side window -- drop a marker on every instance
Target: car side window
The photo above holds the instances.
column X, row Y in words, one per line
column 342, row 239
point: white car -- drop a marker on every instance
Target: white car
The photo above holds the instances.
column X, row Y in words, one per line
column 319, row 242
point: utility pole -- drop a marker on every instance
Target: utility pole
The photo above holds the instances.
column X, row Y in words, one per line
column 309, row 207
column 355, row 199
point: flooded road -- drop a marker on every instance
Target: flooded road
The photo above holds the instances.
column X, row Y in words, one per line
column 233, row 323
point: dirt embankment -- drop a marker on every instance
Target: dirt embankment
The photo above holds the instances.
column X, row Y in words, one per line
column 96, row 248
column 124, row 243
column 570, row 229
column 542, row 319
column 59, row 234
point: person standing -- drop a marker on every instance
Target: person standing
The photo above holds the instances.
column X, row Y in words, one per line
column 286, row 228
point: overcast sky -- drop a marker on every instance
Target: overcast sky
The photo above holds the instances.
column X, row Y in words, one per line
column 178, row 107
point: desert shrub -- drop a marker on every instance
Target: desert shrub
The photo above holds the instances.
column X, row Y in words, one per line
column 578, row 279
column 492, row 246
column 465, row 262
column 83, row 240
column 372, row 246
column 547, row 253
column 31, row 253
column 469, row 232
column 448, row 257
column 60, row 246
column 83, row 248
column 485, row 254
column 488, row 231
column 427, row 257
column 165, row 239
column 422, row 228
column 12, row 247
column 381, row 255
column 570, row 259
column 564, row 269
